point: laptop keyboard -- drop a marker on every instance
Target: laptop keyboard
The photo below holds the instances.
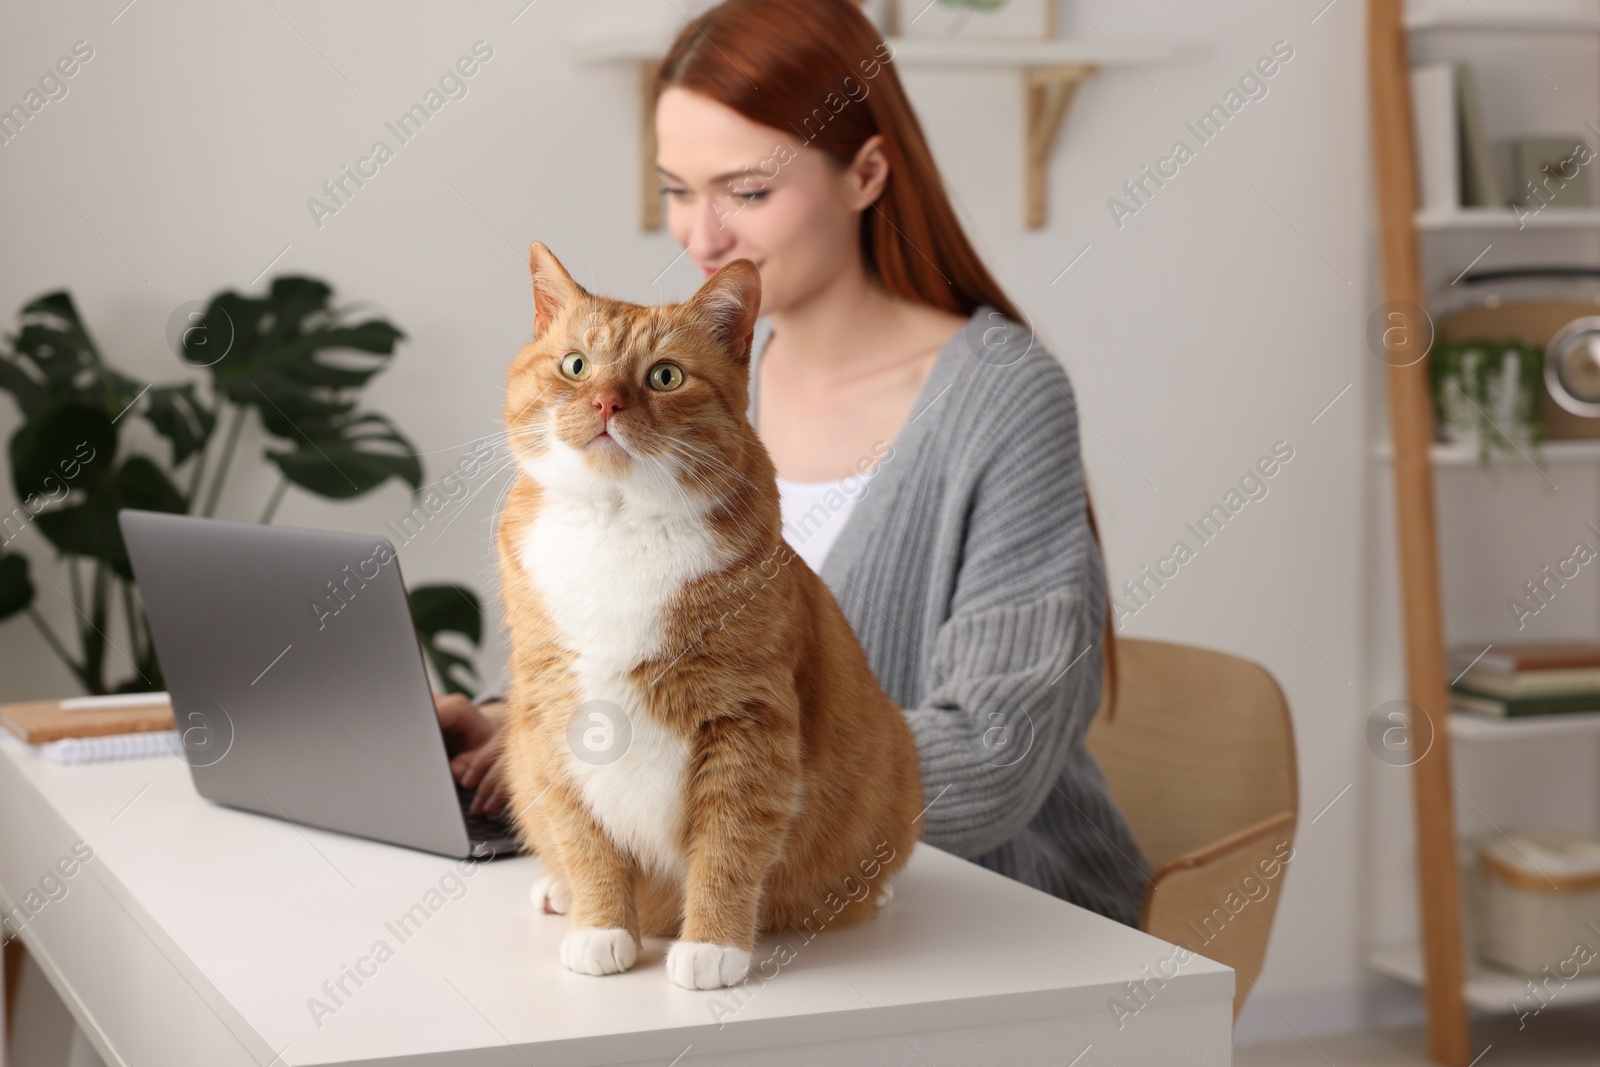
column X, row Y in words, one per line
column 483, row 827
column 487, row 827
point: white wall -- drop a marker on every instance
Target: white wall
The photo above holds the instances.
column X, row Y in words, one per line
column 1224, row 316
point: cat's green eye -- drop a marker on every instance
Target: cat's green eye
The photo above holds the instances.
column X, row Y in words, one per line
column 665, row 377
column 575, row 365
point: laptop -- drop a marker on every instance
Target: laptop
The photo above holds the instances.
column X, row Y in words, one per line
column 298, row 682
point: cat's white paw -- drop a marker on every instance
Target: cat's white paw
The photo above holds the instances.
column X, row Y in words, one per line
column 885, row 894
column 703, row 965
column 590, row 950
column 551, row 896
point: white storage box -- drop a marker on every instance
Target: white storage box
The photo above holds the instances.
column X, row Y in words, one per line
column 1541, row 902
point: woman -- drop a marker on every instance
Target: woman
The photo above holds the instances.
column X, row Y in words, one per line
column 926, row 445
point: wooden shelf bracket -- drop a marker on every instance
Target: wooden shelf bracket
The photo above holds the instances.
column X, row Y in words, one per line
column 1047, row 92
column 649, row 183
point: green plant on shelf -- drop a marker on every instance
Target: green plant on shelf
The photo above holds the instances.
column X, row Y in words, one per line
column 291, row 358
column 1487, row 392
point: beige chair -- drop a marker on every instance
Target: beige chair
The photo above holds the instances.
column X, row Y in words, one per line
column 1200, row 757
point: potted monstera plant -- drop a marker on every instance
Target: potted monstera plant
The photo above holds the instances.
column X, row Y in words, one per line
column 290, row 358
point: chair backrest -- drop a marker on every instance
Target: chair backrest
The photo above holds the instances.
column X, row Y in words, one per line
column 1201, row 746
column 1200, row 757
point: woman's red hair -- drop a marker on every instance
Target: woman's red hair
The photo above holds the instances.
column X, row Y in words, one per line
column 819, row 70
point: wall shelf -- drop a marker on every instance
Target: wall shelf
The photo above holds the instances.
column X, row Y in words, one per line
column 1486, row 988
column 1496, row 20
column 1501, row 218
column 1051, row 69
column 1468, row 727
column 1462, row 455
column 916, row 51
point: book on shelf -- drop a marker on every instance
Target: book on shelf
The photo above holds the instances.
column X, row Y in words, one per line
column 1455, row 165
column 1516, row 658
column 1480, row 183
column 1435, row 132
column 1522, row 707
column 1531, row 683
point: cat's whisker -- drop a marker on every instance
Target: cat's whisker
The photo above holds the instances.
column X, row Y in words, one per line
column 491, row 476
column 452, row 448
column 499, row 512
column 677, row 486
column 708, row 458
column 712, row 458
column 724, row 496
column 718, row 495
column 716, row 463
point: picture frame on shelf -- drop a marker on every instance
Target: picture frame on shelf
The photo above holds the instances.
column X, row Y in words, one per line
column 1551, row 172
column 945, row 20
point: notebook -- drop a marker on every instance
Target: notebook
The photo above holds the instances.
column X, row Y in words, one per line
column 103, row 748
column 92, row 729
column 39, row 721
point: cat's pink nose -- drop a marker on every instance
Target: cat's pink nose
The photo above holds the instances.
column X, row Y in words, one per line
column 608, row 403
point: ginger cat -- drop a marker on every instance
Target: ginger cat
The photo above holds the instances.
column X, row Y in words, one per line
column 696, row 747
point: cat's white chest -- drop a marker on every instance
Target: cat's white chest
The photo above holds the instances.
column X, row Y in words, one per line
column 606, row 576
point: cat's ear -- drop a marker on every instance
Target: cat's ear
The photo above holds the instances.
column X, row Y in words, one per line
column 553, row 288
column 729, row 302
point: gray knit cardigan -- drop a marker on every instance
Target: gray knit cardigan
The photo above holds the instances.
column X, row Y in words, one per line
column 969, row 573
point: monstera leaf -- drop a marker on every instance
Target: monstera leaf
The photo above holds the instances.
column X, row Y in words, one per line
column 337, row 453
column 293, row 357
column 443, row 609
column 68, row 447
column 90, row 528
column 53, row 362
column 179, row 415
column 16, row 587
column 287, row 337
column 64, row 469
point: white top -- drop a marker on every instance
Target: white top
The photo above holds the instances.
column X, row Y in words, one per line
column 815, row 512
column 194, row 927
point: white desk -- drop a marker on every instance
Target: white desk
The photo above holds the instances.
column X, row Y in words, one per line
column 196, row 935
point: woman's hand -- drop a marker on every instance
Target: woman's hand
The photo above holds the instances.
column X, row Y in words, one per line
column 473, row 739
